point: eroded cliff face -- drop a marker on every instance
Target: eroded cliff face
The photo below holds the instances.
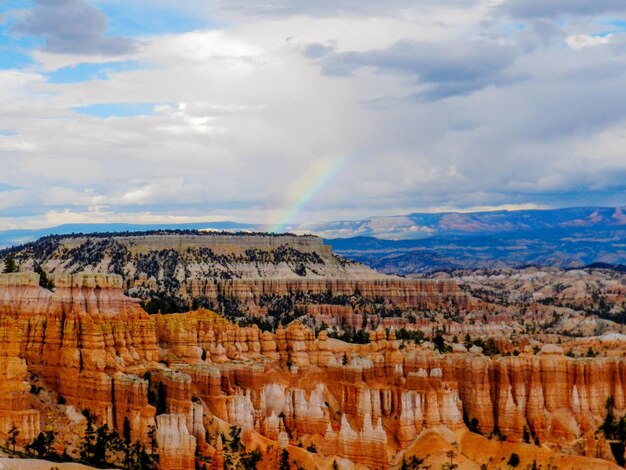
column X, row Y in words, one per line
column 325, row 300
column 81, row 339
column 192, row 375
column 387, row 397
column 14, row 389
column 243, row 275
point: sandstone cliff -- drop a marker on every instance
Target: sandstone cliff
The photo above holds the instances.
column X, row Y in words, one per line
column 192, row 375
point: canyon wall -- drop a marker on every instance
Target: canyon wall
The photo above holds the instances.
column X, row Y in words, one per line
column 81, row 339
column 547, row 398
column 186, row 373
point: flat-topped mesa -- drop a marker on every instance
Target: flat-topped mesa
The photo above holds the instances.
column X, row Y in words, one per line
column 218, row 243
column 248, row 274
column 154, row 259
column 79, row 280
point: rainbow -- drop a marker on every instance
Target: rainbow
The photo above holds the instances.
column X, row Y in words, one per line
column 312, row 184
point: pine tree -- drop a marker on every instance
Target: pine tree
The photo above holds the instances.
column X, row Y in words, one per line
column 12, row 439
column 9, row 265
column 152, row 438
column 140, row 459
column 42, row 445
column 88, row 446
column 43, row 278
column 126, row 435
column 104, row 441
column 235, row 439
column 284, row 460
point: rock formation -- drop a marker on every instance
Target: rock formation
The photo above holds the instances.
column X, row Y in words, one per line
column 243, row 274
column 194, row 375
column 176, row 446
column 77, row 339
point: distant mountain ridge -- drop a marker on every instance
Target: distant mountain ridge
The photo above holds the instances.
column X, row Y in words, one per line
column 401, row 227
column 423, row 243
column 423, row 225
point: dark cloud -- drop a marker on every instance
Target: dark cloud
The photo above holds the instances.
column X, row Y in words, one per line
column 328, row 8
column 446, row 68
column 317, row 51
column 72, row 27
column 557, row 8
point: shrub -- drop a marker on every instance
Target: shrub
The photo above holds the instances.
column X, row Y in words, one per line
column 513, row 460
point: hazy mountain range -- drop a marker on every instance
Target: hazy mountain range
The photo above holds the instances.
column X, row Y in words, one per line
column 424, row 242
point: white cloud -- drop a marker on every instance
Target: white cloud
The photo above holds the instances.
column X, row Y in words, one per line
column 580, row 41
column 243, row 120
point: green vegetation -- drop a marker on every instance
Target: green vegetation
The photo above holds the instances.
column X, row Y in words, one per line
column 12, row 436
column 250, row 460
column 235, row 455
column 440, row 343
column 10, row 266
column 159, row 303
column 416, row 336
column 489, row 347
column 513, row 460
column 42, row 446
column 451, row 465
column 284, row 460
column 263, row 323
column 614, row 429
column 43, row 278
column 102, row 448
column 350, row 335
column 413, row 463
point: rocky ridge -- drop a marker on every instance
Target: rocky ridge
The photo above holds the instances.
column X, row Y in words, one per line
column 277, row 276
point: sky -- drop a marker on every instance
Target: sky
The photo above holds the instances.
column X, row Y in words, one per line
column 277, row 111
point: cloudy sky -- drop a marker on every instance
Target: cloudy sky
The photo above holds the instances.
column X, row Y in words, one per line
column 276, row 111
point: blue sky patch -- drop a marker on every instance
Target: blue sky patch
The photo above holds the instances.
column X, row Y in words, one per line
column 5, row 188
column 84, row 72
column 8, row 5
column 14, row 50
column 140, row 19
column 106, row 110
column 617, row 26
column 11, row 59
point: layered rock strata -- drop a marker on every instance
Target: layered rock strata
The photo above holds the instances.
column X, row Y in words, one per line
column 366, row 403
column 176, row 446
column 245, row 274
column 78, row 338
